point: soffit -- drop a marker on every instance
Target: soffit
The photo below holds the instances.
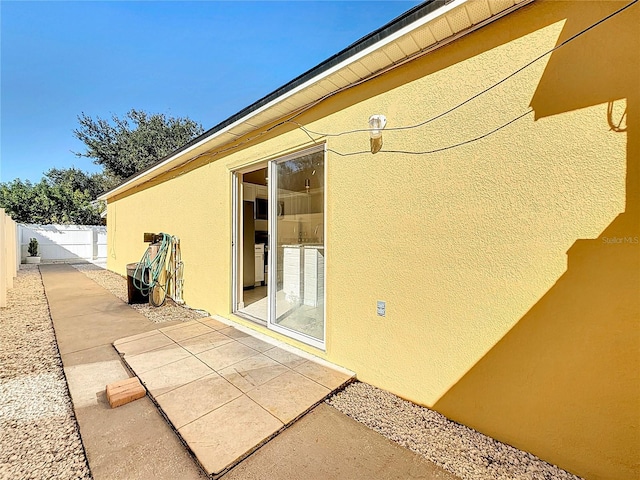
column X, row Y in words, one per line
column 462, row 17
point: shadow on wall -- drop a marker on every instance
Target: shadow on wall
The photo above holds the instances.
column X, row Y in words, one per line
column 564, row 383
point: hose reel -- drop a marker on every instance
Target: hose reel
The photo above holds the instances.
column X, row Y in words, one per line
column 160, row 268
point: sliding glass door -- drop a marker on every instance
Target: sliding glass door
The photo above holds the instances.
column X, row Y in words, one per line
column 296, row 225
column 278, row 252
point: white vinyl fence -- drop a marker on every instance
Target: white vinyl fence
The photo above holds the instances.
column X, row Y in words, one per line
column 9, row 255
column 65, row 242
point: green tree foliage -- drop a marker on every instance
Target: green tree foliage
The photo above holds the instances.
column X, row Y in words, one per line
column 124, row 146
column 121, row 146
column 62, row 196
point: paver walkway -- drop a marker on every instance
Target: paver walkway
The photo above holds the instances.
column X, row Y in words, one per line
column 129, row 442
column 226, row 392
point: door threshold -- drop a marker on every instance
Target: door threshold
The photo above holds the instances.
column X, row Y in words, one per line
column 251, row 318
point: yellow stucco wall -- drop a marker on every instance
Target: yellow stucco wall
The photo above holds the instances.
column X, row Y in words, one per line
column 509, row 265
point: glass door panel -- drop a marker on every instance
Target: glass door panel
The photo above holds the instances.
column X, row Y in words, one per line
column 297, row 247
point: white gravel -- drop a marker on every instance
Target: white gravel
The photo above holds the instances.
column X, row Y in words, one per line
column 39, row 436
column 117, row 285
column 458, row 449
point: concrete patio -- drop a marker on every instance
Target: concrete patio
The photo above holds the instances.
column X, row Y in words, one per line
column 225, row 391
column 238, row 402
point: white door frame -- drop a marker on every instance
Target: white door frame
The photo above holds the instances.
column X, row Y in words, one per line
column 236, row 245
column 236, row 240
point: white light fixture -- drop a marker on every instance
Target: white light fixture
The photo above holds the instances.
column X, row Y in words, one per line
column 376, row 125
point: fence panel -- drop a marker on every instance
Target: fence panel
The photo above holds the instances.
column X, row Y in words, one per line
column 100, row 240
column 8, row 255
column 65, row 242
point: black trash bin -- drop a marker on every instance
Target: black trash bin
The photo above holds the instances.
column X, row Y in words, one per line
column 133, row 294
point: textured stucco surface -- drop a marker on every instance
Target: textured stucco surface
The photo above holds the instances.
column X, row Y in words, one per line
column 509, row 306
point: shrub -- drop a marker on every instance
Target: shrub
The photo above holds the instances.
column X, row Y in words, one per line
column 33, row 247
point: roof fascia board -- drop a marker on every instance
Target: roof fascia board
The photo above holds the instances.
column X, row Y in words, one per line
column 136, row 179
column 352, row 59
column 321, row 76
column 215, row 132
column 391, row 38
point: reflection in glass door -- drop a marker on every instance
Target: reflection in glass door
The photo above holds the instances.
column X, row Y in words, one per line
column 296, row 283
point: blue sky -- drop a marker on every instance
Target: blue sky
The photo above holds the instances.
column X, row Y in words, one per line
column 203, row 60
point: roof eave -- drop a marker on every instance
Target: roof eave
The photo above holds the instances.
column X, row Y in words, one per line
column 402, row 25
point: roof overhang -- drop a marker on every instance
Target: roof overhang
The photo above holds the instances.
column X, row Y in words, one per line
column 420, row 30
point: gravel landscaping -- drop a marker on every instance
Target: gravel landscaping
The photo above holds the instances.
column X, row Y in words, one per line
column 39, row 435
column 118, row 286
column 38, row 432
column 458, row 449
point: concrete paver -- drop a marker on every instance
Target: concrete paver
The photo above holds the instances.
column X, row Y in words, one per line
column 253, row 371
column 141, row 344
column 173, row 375
column 203, row 396
column 227, row 433
column 288, row 396
column 330, row 379
column 205, row 342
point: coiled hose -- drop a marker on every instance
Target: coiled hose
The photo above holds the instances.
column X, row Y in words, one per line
column 149, row 270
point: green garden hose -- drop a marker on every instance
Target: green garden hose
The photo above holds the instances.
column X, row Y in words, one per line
column 149, row 270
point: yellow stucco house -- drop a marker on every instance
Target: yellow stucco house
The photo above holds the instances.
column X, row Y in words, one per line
column 484, row 262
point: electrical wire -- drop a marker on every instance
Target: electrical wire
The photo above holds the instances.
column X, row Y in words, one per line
column 482, row 92
column 436, row 150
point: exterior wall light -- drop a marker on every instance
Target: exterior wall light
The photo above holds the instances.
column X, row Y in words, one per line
column 376, row 125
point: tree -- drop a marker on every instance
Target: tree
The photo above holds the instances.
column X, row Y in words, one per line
column 126, row 145
column 23, row 201
column 63, row 196
column 94, row 184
